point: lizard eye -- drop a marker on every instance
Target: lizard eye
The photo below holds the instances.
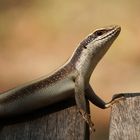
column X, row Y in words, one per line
column 100, row 32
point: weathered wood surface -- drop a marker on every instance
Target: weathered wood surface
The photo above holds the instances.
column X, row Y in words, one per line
column 58, row 122
column 125, row 118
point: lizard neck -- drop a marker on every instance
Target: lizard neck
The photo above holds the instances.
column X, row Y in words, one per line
column 84, row 62
column 81, row 61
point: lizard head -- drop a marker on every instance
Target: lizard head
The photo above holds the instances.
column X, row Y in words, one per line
column 94, row 46
column 100, row 40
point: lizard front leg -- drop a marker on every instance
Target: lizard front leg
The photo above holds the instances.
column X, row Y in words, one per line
column 81, row 101
column 90, row 94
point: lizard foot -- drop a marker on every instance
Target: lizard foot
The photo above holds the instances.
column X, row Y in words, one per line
column 116, row 98
column 87, row 118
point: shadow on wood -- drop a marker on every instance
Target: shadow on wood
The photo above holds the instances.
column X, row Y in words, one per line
column 58, row 122
column 125, row 118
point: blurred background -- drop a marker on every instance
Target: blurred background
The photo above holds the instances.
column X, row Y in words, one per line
column 37, row 36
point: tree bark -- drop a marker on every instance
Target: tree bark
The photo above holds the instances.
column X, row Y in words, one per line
column 125, row 118
column 57, row 122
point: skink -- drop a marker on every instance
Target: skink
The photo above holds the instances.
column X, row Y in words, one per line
column 70, row 80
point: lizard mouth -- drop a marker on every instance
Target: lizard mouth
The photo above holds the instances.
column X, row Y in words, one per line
column 113, row 31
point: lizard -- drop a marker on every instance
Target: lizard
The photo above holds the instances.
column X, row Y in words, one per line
column 70, row 80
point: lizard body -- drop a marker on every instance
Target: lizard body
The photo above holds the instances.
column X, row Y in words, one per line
column 71, row 80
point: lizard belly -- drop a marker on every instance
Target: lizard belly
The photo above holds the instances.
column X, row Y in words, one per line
column 37, row 99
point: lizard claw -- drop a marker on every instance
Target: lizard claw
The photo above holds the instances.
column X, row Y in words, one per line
column 115, row 98
column 118, row 96
column 87, row 118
